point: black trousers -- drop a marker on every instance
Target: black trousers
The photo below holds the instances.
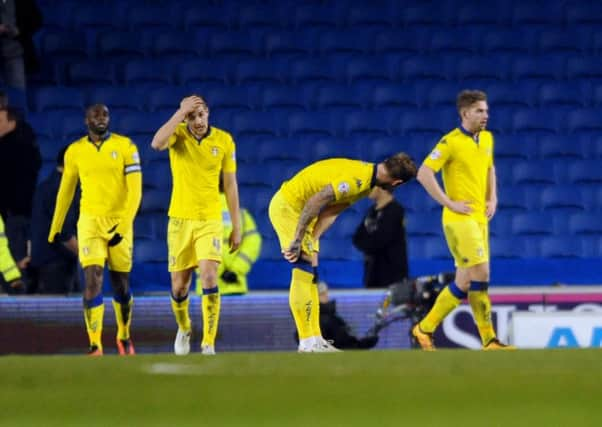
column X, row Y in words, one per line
column 59, row 277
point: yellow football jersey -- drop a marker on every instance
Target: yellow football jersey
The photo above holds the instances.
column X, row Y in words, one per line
column 195, row 168
column 465, row 164
column 350, row 179
column 101, row 170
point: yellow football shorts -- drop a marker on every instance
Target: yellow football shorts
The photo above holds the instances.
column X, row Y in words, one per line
column 93, row 236
column 189, row 241
column 284, row 219
column 468, row 242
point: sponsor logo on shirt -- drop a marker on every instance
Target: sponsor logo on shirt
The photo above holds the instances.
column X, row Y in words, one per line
column 343, row 187
column 435, row 154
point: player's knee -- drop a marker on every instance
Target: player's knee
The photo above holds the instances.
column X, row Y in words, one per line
column 480, row 272
column 209, row 278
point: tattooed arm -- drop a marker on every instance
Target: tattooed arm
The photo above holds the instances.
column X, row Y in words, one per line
column 311, row 210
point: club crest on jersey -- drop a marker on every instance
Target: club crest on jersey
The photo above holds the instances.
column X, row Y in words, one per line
column 114, row 155
column 214, row 151
column 435, row 154
column 343, row 187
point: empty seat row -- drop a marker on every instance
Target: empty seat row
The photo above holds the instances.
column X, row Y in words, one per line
column 384, row 14
column 147, row 43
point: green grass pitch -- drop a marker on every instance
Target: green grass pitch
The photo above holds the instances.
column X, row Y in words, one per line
column 380, row 388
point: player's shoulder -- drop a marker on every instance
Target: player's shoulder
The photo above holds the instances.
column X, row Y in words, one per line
column 221, row 134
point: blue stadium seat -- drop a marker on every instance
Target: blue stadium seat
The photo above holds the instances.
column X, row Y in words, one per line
column 479, row 68
column 372, row 16
column 119, row 99
column 424, row 68
column 584, row 67
column 61, row 46
column 438, row 94
column 345, row 225
column 149, row 74
column 563, row 94
column 254, row 123
column 255, row 200
column 127, row 45
column 512, row 198
column 541, row 68
column 434, row 122
column 69, row 125
column 327, row 147
column 48, row 150
column 258, row 71
column 168, row 98
column 158, row 177
column 513, row 147
column 370, row 124
column 530, row 14
column 534, row 172
column 511, row 94
column 94, row 16
column 382, row 147
column 212, row 16
column 44, row 125
column 585, row 172
column 367, row 69
column 144, row 227
column 436, row 248
column 150, row 251
column 562, row 199
column 506, row 41
column 583, row 12
column 410, row 41
column 139, row 124
column 158, row 17
column 584, row 120
column 452, row 41
column 585, row 224
column 424, row 224
column 564, row 41
column 535, row 122
column 563, row 146
column 560, row 247
column 281, row 149
column 595, row 92
column 155, row 201
column 237, row 44
column 234, row 98
column 532, row 224
column 311, row 69
column 91, row 73
column 335, row 249
column 315, row 16
column 58, row 99
column 288, row 45
column 468, row 14
column 315, row 123
column 270, row 249
column 259, row 16
column 282, row 98
column 203, row 71
column 385, row 95
column 506, row 247
column 148, row 155
column 177, row 45
column 421, row 14
column 344, row 41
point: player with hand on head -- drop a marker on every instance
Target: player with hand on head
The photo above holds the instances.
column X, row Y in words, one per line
column 107, row 167
column 198, row 153
column 305, row 207
column 465, row 156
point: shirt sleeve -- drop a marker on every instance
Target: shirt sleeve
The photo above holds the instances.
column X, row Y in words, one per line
column 133, row 177
column 174, row 137
column 229, row 160
column 491, row 162
column 439, row 156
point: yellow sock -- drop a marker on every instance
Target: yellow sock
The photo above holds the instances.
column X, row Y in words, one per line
column 123, row 316
column 481, row 310
column 302, row 303
column 211, row 303
column 315, row 313
column 180, row 312
column 448, row 299
column 94, row 311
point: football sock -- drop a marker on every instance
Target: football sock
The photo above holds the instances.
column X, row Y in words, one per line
column 211, row 307
column 179, row 306
column 94, row 310
column 301, row 301
column 481, row 310
column 449, row 298
column 315, row 313
column 122, row 305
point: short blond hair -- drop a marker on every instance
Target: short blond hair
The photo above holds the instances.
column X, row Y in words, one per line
column 468, row 97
